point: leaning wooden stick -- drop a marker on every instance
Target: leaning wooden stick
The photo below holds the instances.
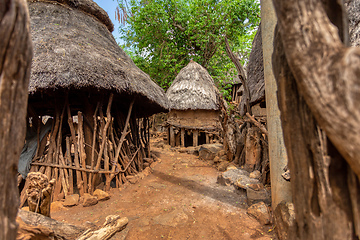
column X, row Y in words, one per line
column 82, row 152
column 256, row 123
column 124, row 132
column 104, row 138
column 76, row 157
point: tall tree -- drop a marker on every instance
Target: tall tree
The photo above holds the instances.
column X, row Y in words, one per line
column 15, row 62
column 319, row 87
column 163, row 36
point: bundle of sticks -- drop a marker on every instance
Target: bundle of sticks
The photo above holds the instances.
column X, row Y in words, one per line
column 116, row 149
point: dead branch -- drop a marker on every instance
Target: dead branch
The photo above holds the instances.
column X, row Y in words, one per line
column 241, row 74
column 257, row 124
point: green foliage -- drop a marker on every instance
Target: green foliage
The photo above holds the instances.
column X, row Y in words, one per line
column 162, row 36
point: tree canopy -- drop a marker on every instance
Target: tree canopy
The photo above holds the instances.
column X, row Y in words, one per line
column 162, row 36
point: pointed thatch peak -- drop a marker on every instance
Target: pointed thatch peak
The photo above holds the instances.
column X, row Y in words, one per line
column 193, row 88
column 73, row 51
column 87, row 6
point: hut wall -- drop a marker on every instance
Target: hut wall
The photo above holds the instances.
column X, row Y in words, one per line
column 195, row 119
column 259, row 110
column 118, row 146
column 192, row 127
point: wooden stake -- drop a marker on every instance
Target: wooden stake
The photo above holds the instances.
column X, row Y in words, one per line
column 69, row 163
column 172, row 136
column 182, row 132
column 103, row 137
column 82, row 149
column 91, row 188
column 124, row 132
column 80, row 183
column 195, row 138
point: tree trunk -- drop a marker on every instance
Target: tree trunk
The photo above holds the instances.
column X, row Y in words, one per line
column 321, row 74
column 15, row 62
column 326, row 71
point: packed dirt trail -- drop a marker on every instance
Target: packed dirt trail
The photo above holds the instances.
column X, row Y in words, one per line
column 180, row 199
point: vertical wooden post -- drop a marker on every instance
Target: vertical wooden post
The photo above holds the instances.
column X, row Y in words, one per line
column 172, row 136
column 195, row 138
column 207, row 138
column 15, row 63
column 168, row 135
column 182, row 132
column 280, row 189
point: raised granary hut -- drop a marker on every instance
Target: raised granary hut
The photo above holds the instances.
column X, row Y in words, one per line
column 194, row 103
column 88, row 103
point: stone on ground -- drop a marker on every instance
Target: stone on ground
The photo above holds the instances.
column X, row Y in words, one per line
column 231, row 176
column 261, row 212
column 57, row 206
column 255, row 174
column 284, row 218
column 261, row 195
column 244, row 182
column 88, row 200
column 132, row 179
column 71, row 200
column 101, row 195
column 209, row 151
column 222, row 166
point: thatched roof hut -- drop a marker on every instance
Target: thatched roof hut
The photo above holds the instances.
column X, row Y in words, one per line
column 193, row 89
column 255, row 74
column 75, row 50
column 95, row 100
column 194, row 103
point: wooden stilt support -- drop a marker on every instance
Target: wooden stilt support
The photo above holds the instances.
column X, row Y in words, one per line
column 182, row 132
column 207, row 138
column 195, row 138
column 82, row 153
column 80, row 183
column 172, row 136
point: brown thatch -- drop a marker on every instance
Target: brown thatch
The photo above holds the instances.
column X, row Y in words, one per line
column 193, row 89
column 255, row 73
column 74, row 50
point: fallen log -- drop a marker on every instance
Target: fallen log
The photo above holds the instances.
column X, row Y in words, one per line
column 61, row 230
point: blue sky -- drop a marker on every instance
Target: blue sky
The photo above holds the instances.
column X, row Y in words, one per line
column 109, row 6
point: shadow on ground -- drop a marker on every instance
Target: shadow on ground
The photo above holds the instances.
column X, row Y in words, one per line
column 220, row 193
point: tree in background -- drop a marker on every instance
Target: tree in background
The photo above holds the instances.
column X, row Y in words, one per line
column 163, row 36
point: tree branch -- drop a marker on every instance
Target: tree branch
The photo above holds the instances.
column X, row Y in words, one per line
column 241, row 73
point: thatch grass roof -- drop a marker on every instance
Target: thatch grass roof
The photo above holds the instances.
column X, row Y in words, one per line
column 74, row 50
column 255, row 73
column 193, row 89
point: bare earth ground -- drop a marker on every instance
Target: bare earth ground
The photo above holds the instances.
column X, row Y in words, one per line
column 179, row 200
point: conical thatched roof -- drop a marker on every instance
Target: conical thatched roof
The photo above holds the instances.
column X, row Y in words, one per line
column 255, row 73
column 193, row 89
column 75, row 50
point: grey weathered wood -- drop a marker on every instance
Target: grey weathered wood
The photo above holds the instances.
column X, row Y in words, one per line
column 112, row 225
column 326, row 71
column 325, row 189
column 182, row 132
column 15, row 61
column 64, row 230
column 172, row 136
column 195, row 138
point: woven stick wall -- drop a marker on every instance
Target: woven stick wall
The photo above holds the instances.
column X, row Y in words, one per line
column 120, row 142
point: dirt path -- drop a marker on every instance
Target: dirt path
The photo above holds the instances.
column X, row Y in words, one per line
column 179, row 200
